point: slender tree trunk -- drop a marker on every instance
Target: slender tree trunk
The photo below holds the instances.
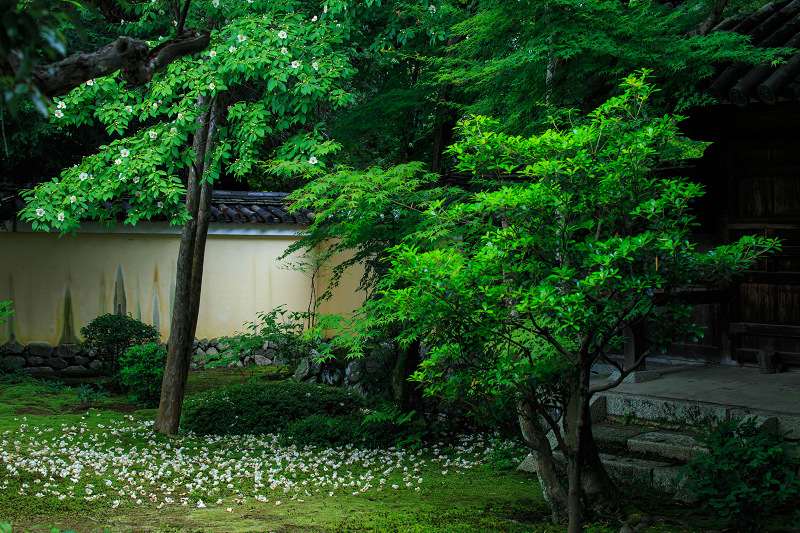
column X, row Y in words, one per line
column 407, row 395
column 189, row 277
column 574, row 439
column 546, row 469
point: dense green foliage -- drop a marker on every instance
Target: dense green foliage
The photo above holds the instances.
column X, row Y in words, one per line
column 270, row 70
column 110, row 335
column 141, row 370
column 749, row 472
column 256, row 408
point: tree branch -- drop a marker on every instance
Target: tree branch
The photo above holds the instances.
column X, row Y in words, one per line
column 133, row 58
column 707, row 25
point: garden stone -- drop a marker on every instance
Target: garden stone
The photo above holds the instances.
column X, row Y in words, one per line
column 81, row 360
column 270, row 352
column 95, row 365
column 66, row 350
column 56, row 363
column 212, row 351
column 303, row 370
column 39, row 370
column 199, row 352
column 353, row 371
column 213, row 342
column 260, row 360
column 204, row 343
column 195, row 344
column 75, row 371
column 12, row 348
column 249, row 360
column 35, row 361
column 13, row 362
column 40, row 349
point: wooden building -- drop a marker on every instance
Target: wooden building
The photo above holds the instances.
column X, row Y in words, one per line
column 752, row 177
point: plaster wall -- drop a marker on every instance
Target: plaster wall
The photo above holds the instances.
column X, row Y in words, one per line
column 58, row 285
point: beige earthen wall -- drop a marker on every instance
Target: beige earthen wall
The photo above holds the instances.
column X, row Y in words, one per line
column 59, row 284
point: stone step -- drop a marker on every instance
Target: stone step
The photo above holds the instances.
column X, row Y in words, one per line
column 673, row 413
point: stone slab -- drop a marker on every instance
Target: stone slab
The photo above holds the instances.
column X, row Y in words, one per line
column 671, row 445
column 75, row 371
column 629, row 471
column 693, row 414
column 12, row 348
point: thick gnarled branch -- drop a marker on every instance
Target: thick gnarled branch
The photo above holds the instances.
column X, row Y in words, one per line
column 134, row 59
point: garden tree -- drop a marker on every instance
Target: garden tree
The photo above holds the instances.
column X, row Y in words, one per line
column 360, row 217
column 519, row 290
column 401, row 113
column 269, row 67
column 524, row 60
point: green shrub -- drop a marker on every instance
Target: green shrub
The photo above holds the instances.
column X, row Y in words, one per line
column 746, row 475
column 323, row 430
column 141, row 371
column 255, row 408
column 110, row 335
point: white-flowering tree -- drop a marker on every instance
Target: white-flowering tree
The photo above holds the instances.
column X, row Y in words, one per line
column 269, row 70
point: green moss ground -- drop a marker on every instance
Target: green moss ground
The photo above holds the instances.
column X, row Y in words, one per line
column 43, row 437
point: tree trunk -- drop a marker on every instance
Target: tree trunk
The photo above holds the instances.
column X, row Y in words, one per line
column 574, row 438
column 598, row 488
column 546, row 469
column 407, row 396
column 189, row 278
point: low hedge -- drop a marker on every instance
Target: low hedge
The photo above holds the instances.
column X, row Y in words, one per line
column 256, row 408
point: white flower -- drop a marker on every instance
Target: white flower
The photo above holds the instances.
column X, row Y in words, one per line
column 215, row 3
column 325, row 10
column 73, row 199
column 61, row 217
column 284, row 50
column 314, row 18
column 90, row 82
column 312, row 160
column 161, row 205
column 155, row 105
column 282, row 34
column 124, row 152
column 212, row 86
column 432, row 8
column 129, row 109
column 315, row 65
column 232, row 49
column 161, row 12
column 62, row 105
column 173, row 129
column 118, row 161
column 180, row 116
column 241, row 38
column 58, row 113
column 83, row 176
column 295, row 63
column 136, row 179
column 39, row 212
column 121, row 177
column 152, row 134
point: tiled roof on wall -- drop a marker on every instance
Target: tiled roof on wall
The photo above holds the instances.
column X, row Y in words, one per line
column 227, row 207
column 776, row 24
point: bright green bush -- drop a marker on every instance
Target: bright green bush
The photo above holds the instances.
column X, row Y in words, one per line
column 110, row 335
column 747, row 474
column 141, row 370
column 255, row 408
